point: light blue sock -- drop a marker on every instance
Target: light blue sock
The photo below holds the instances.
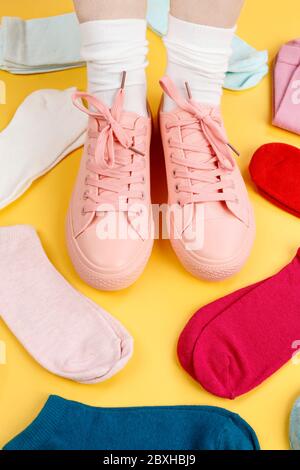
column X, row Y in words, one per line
column 158, row 16
column 295, row 426
column 247, row 66
column 40, row 45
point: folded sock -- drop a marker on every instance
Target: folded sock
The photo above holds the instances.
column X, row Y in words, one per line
column 111, row 47
column 295, row 426
column 67, row 425
column 247, row 66
column 65, row 332
column 45, row 128
column 286, row 85
column 199, row 55
column 40, row 45
column 275, row 169
column 245, row 337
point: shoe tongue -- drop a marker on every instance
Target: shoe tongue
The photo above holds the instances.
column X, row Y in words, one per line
column 129, row 121
column 194, row 136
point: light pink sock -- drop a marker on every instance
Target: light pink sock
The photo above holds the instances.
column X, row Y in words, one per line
column 64, row 331
column 252, row 338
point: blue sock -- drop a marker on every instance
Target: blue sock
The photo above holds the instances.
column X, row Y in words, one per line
column 67, row 425
column 295, row 426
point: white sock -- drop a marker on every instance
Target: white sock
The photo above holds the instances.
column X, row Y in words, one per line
column 45, row 128
column 199, row 55
column 111, row 47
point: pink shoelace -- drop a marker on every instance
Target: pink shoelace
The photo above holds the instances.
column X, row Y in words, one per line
column 114, row 161
column 208, row 159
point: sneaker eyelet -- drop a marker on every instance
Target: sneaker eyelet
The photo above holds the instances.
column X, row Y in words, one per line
column 177, row 188
column 83, row 211
column 174, row 172
column 179, row 203
column 143, row 196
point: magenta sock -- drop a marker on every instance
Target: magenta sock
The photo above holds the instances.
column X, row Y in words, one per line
column 250, row 339
column 195, row 326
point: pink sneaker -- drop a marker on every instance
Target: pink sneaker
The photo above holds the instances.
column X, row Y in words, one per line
column 110, row 223
column 212, row 224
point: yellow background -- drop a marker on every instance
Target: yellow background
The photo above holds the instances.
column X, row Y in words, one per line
column 157, row 307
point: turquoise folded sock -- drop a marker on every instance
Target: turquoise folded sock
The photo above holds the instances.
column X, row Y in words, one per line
column 158, row 16
column 52, row 44
column 295, row 426
column 67, row 425
column 247, row 66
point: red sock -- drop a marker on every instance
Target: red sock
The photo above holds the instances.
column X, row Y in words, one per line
column 240, row 346
column 275, row 169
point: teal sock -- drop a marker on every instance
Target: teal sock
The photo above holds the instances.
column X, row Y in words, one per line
column 67, row 425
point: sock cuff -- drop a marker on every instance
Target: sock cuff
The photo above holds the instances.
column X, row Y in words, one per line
column 123, row 30
column 42, row 428
column 197, row 35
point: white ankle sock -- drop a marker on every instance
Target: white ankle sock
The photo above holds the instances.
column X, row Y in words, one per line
column 199, row 55
column 45, row 128
column 111, row 47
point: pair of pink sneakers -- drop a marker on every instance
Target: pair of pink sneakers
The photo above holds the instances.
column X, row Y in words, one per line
column 110, row 224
